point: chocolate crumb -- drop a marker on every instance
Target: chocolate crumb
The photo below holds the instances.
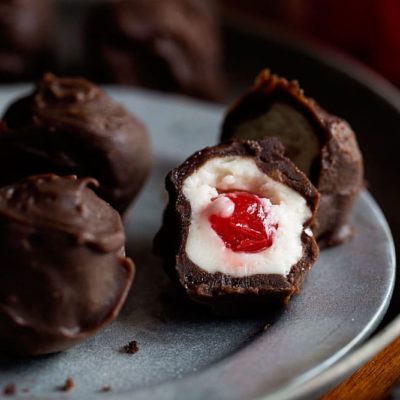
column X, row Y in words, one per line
column 130, row 348
column 69, row 384
column 10, row 389
column 105, row 388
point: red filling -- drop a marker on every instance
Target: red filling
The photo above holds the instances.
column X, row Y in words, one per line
column 249, row 229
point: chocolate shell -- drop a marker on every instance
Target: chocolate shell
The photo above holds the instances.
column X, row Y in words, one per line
column 169, row 45
column 322, row 145
column 68, row 126
column 226, row 293
column 24, row 38
column 64, row 274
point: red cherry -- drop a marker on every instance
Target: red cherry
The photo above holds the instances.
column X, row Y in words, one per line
column 249, row 228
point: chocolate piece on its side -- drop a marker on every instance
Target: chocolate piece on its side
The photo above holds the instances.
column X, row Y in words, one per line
column 224, row 293
column 64, row 274
column 169, row 45
column 24, row 38
column 69, row 126
column 320, row 144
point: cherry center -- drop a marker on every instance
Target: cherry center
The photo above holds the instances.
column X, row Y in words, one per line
column 248, row 228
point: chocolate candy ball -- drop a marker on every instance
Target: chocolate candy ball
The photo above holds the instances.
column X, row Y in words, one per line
column 63, row 274
column 68, row 126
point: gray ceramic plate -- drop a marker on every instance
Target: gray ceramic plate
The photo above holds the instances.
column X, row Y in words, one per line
column 187, row 354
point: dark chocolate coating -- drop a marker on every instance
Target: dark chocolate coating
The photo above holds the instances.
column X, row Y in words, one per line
column 24, row 38
column 169, row 45
column 69, row 126
column 64, row 274
column 225, row 293
column 337, row 168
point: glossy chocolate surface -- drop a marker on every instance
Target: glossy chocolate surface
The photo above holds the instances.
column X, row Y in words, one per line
column 70, row 126
column 64, row 274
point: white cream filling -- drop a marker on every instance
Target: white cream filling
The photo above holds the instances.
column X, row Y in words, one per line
column 207, row 250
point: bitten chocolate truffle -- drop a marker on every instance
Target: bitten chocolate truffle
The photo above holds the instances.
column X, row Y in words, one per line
column 236, row 232
column 322, row 145
column 63, row 274
column 24, row 38
column 169, row 45
column 68, row 126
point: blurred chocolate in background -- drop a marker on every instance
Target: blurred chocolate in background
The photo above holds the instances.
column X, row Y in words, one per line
column 176, row 45
column 25, row 35
column 168, row 45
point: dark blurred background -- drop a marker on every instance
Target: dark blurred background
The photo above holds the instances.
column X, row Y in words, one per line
column 368, row 30
column 37, row 35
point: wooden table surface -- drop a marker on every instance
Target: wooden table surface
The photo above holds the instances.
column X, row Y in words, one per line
column 374, row 380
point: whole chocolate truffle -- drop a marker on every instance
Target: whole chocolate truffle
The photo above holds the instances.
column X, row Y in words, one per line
column 24, row 38
column 170, row 45
column 64, row 274
column 68, row 126
column 322, row 145
column 236, row 232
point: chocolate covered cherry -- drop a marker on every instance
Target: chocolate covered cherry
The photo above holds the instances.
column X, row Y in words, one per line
column 237, row 230
column 63, row 273
column 322, row 145
column 68, row 126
